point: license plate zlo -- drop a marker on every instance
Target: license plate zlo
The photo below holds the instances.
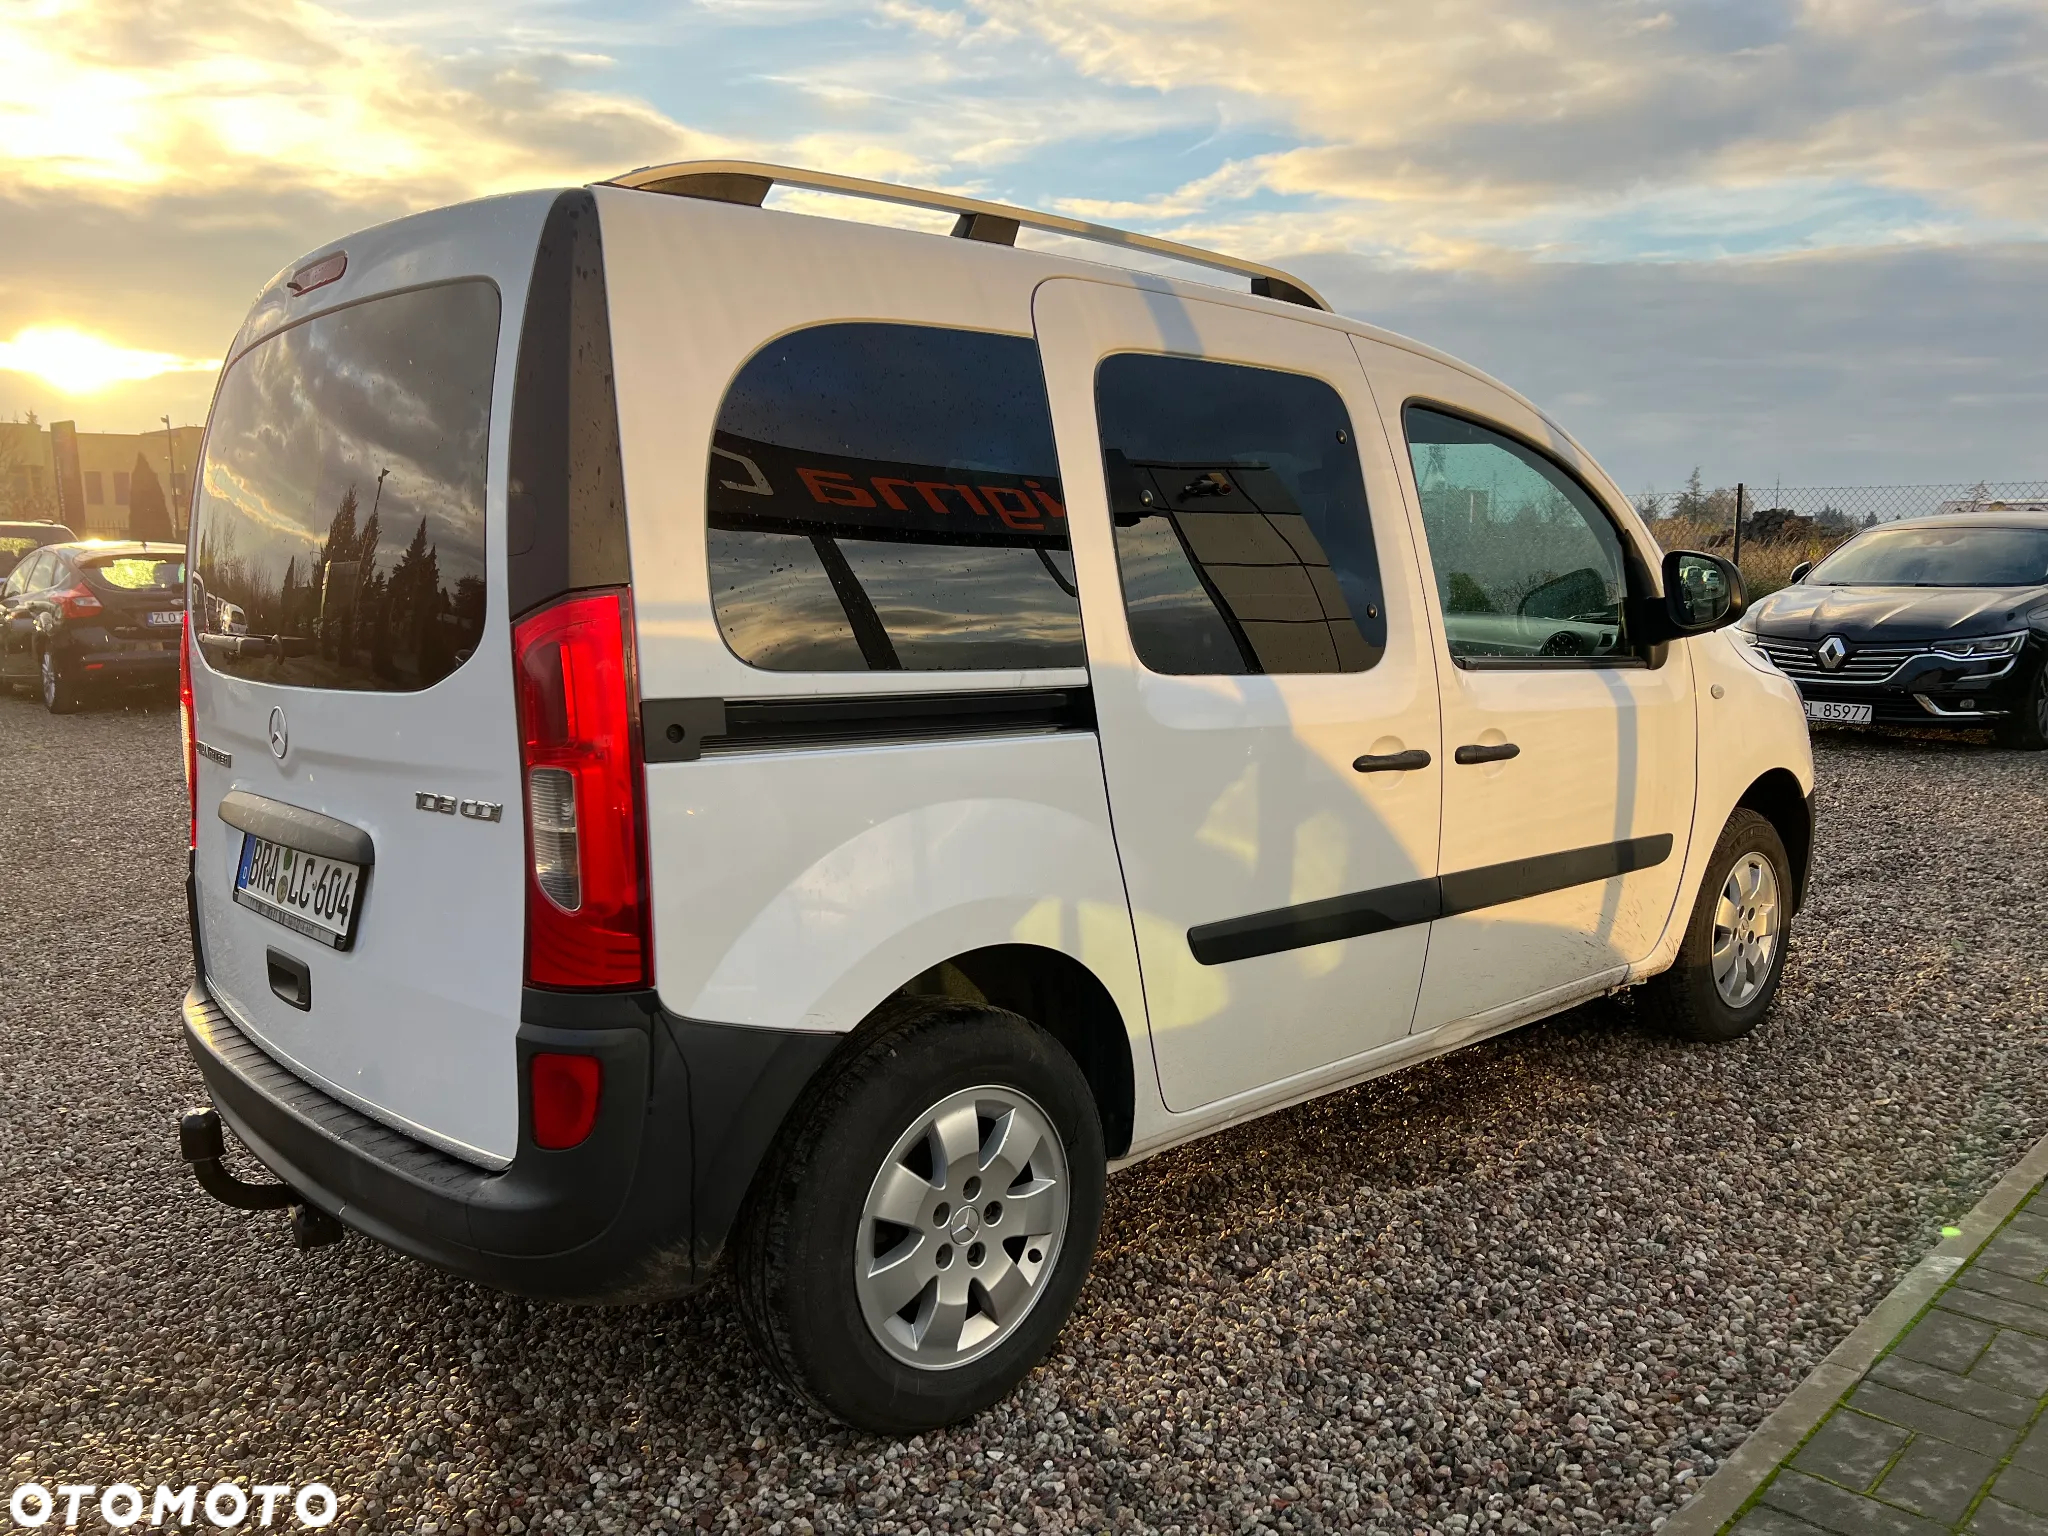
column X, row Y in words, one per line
column 306, row 893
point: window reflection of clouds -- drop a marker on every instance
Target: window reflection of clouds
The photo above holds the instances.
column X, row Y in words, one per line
column 307, row 419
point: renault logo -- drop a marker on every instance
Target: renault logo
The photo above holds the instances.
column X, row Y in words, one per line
column 1833, row 652
column 280, row 737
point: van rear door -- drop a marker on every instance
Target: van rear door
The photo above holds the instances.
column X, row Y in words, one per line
column 352, row 676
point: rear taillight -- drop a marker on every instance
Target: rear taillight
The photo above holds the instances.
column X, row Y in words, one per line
column 586, row 903
column 77, row 602
column 186, row 726
column 564, row 1092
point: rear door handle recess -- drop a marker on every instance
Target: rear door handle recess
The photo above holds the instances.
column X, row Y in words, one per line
column 1478, row 754
column 1392, row 762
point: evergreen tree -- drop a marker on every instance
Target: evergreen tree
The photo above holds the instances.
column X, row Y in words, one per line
column 149, row 516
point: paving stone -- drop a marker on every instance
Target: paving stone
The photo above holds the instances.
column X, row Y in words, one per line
column 2029, row 1490
column 1948, row 1424
column 1995, row 1518
column 2015, row 1362
column 1939, row 1386
column 2018, row 1250
column 1995, row 1282
column 2032, row 1454
column 1851, row 1514
column 1993, row 1309
column 1944, row 1339
column 1765, row 1521
column 1937, row 1479
column 1851, row 1449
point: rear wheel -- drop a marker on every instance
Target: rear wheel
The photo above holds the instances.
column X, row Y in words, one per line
column 62, row 694
column 2026, row 729
column 1733, row 954
column 925, row 1220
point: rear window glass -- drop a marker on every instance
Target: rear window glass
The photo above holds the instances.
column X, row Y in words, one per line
column 887, row 497
column 339, row 537
column 139, row 573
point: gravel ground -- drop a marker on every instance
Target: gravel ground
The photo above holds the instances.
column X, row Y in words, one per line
column 1542, row 1285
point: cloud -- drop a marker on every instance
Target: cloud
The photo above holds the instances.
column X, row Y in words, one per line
column 1509, row 121
column 127, row 97
column 1883, row 366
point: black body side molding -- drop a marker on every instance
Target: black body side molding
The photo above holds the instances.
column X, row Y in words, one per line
column 1420, row 901
column 682, row 730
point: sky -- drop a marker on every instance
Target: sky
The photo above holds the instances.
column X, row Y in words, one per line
column 1792, row 240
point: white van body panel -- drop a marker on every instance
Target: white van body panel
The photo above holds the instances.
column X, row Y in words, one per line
column 803, row 910
column 797, row 889
column 415, row 1024
column 1751, row 721
column 1607, row 755
column 1236, row 795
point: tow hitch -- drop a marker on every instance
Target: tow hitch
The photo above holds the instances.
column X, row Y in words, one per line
column 201, row 1145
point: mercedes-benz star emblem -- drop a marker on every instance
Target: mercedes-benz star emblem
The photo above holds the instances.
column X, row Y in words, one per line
column 965, row 1225
column 280, row 738
column 1833, row 652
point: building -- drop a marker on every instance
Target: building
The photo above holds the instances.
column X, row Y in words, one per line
column 96, row 482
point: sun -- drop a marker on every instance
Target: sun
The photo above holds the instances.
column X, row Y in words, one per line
column 79, row 363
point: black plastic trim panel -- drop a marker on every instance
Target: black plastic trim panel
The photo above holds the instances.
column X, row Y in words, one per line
column 682, row 730
column 640, row 1210
column 291, row 826
column 565, row 498
column 1419, row 901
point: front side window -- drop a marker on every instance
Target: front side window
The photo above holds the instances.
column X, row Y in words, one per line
column 1242, row 533
column 1528, row 567
column 887, row 498
column 339, row 537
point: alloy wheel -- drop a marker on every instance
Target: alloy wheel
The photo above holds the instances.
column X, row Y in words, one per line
column 51, row 682
column 1747, row 923
column 962, row 1228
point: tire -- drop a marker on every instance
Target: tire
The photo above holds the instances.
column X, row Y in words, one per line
column 812, row 1291
column 2026, row 730
column 1688, row 1000
column 61, row 692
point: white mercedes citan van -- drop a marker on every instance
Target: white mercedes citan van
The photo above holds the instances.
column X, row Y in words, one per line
column 727, row 734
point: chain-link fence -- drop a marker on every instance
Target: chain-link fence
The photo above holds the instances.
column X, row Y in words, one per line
column 1785, row 525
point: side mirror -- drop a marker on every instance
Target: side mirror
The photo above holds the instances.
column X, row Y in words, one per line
column 1799, row 571
column 1701, row 593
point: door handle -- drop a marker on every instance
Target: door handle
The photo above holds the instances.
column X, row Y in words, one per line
column 1392, row 762
column 1478, row 754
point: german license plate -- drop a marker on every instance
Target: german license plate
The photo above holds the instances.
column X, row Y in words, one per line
column 165, row 620
column 1828, row 712
column 308, row 894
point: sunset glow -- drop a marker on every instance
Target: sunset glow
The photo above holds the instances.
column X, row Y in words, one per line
column 79, row 363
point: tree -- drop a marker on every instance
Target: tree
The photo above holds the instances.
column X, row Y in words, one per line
column 149, row 516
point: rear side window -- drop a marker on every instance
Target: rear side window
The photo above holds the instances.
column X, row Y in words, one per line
column 1242, row 532
column 886, row 497
column 339, row 536
column 138, row 573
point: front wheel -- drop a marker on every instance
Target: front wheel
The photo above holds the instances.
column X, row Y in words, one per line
column 2026, row 729
column 1733, row 954
column 926, row 1219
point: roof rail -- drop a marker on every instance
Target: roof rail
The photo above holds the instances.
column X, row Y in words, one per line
column 748, row 182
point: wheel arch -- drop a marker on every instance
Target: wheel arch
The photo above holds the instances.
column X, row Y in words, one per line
column 1777, row 797
column 1065, row 999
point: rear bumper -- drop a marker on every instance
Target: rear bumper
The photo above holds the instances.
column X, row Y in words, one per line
column 640, row 1210
column 125, row 666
